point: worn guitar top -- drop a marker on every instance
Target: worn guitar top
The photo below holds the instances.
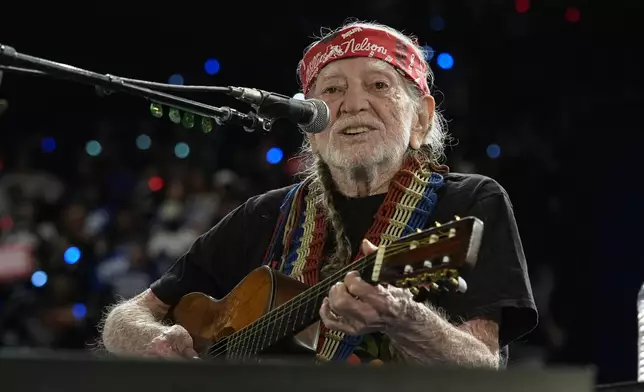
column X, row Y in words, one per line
column 499, row 286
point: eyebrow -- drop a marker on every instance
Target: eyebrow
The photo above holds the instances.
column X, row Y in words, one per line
column 380, row 66
column 382, row 71
column 330, row 75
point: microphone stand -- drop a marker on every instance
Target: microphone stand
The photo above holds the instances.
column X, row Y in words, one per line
column 106, row 84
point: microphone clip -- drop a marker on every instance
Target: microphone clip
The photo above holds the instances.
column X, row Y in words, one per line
column 250, row 122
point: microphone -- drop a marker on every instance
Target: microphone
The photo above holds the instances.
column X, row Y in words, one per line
column 311, row 115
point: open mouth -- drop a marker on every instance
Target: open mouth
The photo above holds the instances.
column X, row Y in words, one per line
column 355, row 130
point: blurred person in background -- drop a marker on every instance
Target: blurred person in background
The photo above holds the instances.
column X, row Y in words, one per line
column 128, row 272
column 201, row 203
column 379, row 156
column 171, row 237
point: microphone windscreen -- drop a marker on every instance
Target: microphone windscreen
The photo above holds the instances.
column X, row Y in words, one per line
column 320, row 120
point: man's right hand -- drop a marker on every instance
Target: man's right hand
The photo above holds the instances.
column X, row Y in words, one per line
column 173, row 342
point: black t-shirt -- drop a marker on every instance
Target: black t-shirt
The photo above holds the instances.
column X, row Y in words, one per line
column 498, row 287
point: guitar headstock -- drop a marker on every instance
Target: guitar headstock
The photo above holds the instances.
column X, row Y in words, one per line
column 431, row 260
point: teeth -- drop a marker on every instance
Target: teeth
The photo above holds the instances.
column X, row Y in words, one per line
column 355, row 130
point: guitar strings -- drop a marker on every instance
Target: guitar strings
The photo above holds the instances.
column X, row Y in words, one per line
column 282, row 309
column 242, row 334
column 251, row 331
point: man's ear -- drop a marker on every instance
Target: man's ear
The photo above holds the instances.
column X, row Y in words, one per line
column 424, row 117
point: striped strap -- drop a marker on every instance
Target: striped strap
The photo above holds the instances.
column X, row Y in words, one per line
column 302, row 231
column 411, row 212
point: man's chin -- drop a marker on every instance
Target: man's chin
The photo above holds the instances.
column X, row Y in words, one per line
column 351, row 160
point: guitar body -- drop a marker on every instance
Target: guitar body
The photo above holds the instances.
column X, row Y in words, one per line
column 208, row 320
column 427, row 262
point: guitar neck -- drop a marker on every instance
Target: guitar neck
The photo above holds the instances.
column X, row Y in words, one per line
column 290, row 318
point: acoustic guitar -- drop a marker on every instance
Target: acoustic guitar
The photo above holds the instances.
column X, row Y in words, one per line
column 269, row 313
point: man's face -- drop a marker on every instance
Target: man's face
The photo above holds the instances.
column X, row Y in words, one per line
column 373, row 120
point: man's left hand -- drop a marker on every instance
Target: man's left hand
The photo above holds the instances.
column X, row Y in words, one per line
column 356, row 307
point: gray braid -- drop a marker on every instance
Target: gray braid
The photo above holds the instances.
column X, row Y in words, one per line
column 343, row 246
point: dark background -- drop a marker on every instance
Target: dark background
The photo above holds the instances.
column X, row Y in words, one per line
column 559, row 95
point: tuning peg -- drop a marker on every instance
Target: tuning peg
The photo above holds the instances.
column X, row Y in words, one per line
column 408, row 269
column 433, row 238
column 456, row 217
column 459, row 284
column 419, row 231
column 452, row 232
column 462, row 285
column 445, row 260
column 427, row 264
column 437, row 224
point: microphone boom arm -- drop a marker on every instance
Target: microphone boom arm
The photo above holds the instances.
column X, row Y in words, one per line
column 105, row 84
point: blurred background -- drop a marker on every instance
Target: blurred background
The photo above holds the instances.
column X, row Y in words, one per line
column 98, row 196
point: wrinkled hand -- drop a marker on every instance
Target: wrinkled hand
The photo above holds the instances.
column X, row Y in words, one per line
column 173, row 342
column 356, row 307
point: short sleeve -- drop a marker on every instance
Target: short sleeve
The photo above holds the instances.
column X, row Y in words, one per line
column 219, row 259
column 208, row 258
column 498, row 286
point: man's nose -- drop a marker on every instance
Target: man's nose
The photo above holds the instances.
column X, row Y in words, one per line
column 354, row 101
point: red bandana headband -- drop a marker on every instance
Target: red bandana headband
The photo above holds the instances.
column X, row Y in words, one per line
column 360, row 41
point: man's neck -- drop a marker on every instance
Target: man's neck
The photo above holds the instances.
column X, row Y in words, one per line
column 364, row 181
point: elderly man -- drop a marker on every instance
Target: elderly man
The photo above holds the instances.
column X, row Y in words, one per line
column 379, row 156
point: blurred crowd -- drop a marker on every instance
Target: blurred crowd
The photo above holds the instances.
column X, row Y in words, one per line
column 88, row 250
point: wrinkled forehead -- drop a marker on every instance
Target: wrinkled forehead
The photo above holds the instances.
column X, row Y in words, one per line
column 354, row 66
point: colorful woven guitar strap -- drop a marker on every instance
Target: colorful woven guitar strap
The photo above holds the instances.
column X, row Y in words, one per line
column 297, row 248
